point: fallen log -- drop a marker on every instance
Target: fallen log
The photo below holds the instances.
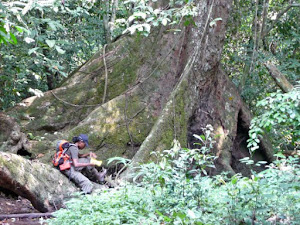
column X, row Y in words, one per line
column 279, row 78
column 26, row 215
column 44, row 186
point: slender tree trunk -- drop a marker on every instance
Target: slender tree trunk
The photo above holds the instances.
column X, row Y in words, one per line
column 251, row 49
column 106, row 20
column 49, row 75
column 264, row 23
column 115, row 4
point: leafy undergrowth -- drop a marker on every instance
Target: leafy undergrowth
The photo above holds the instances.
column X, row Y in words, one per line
column 176, row 190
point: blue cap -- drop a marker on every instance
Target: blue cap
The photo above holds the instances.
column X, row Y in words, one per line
column 84, row 138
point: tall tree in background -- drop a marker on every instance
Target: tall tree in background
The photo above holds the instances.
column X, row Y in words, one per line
column 267, row 33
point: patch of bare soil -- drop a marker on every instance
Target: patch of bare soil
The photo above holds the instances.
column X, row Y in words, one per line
column 13, row 204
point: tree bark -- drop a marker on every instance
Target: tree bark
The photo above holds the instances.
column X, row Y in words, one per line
column 264, row 21
column 203, row 93
column 12, row 138
column 43, row 186
column 163, row 87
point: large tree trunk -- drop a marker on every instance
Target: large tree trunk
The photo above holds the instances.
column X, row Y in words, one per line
column 162, row 87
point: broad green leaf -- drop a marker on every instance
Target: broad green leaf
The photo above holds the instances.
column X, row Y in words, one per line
column 50, row 43
column 234, row 180
column 27, row 7
column 59, row 50
column 155, row 23
column 140, row 28
column 156, row 11
column 147, row 27
column 13, row 38
column 179, row 214
column 30, row 51
column 191, row 214
column 20, row 29
column 131, row 18
column 254, row 147
column 132, row 29
column 52, row 25
column 164, row 21
column 140, row 14
column 28, row 40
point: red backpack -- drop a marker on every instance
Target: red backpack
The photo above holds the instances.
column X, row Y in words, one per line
column 61, row 159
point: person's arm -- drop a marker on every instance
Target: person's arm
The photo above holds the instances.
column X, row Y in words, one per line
column 83, row 155
column 74, row 151
column 78, row 164
column 91, row 154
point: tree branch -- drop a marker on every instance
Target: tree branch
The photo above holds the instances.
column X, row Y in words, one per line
column 279, row 15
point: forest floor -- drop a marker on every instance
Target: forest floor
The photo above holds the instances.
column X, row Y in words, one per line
column 17, row 205
column 10, row 203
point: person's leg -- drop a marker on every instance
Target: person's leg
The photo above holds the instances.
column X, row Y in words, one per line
column 101, row 176
column 91, row 172
column 83, row 182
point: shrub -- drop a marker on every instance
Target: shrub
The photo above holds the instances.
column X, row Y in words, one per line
column 176, row 190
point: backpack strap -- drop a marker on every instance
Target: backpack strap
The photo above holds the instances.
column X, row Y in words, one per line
column 66, row 149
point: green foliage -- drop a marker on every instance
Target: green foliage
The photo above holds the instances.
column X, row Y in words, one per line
column 280, row 118
column 51, row 40
column 144, row 16
column 6, row 35
column 175, row 190
column 247, row 49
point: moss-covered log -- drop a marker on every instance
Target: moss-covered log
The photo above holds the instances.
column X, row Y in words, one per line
column 279, row 78
column 44, row 186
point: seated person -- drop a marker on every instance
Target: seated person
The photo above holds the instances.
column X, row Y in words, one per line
column 81, row 165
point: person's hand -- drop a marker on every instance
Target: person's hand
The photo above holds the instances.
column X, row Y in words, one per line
column 93, row 155
column 96, row 162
